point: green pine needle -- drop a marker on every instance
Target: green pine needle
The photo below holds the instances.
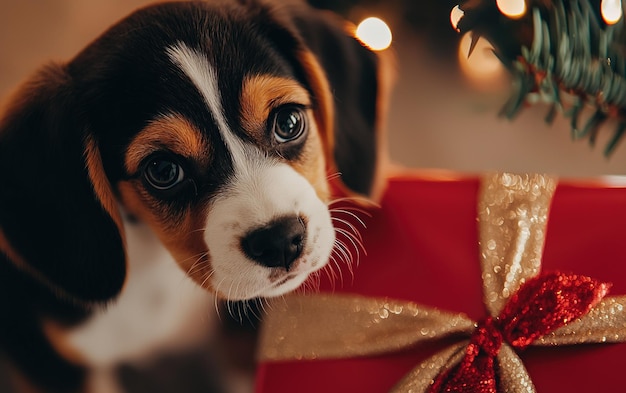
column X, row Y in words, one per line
column 570, row 51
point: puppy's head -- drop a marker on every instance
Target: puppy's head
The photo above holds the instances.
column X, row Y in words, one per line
column 215, row 123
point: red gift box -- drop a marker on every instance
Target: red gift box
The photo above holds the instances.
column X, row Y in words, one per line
column 423, row 246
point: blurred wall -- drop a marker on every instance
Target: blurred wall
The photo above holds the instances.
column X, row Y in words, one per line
column 437, row 119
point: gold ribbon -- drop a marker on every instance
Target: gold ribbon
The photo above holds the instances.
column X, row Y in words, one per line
column 512, row 215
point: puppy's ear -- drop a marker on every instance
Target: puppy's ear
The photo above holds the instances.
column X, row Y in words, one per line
column 59, row 221
column 350, row 84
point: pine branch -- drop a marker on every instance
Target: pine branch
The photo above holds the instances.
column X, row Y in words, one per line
column 562, row 53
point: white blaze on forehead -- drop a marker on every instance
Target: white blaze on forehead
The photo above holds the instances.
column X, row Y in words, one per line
column 261, row 190
column 202, row 74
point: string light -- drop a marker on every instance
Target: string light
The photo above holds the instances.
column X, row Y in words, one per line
column 513, row 9
column 374, row 33
column 483, row 69
column 611, row 11
column 455, row 16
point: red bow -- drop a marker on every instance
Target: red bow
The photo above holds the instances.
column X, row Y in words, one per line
column 541, row 305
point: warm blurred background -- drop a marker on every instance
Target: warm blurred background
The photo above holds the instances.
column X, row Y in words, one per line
column 443, row 112
column 440, row 117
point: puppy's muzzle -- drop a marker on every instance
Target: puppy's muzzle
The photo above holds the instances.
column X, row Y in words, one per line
column 278, row 244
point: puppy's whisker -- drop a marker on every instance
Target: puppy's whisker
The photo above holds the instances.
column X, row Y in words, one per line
column 355, row 199
column 254, row 313
column 217, row 290
column 330, row 272
column 349, row 249
column 357, row 244
column 229, row 301
column 315, row 281
column 306, row 287
column 245, row 309
column 355, row 240
column 339, row 270
column 196, row 231
column 206, row 279
column 344, row 251
column 351, row 259
column 351, row 212
column 195, row 256
column 348, row 224
column 262, row 308
column 269, row 304
column 241, row 309
column 197, row 264
column 333, row 176
column 249, row 271
column 234, row 310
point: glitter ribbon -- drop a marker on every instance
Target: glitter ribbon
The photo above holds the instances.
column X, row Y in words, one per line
column 525, row 307
column 541, row 305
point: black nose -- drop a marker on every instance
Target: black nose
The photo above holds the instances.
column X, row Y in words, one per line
column 278, row 244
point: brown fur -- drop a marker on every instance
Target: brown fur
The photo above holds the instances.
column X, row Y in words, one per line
column 173, row 133
column 101, row 185
column 9, row 251
column 324, row 109
column 260, row 94
column 183, row 236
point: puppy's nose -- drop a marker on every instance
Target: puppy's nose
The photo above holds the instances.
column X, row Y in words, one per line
column 278, row 244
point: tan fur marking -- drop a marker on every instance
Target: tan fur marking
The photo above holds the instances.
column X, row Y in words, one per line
column 9, row 251
column 311, row 164
column 262, row 93
column 171, row 132
column 387, row 74
column 101, row 185
column 324, row 108
column 185, row 240
column 57, row 336
column 19, row 382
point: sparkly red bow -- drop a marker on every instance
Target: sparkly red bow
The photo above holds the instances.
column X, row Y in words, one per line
column 541, row 305
column 525, row 307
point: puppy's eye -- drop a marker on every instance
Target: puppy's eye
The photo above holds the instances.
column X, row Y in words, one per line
column 163, row 173
column 289, row 123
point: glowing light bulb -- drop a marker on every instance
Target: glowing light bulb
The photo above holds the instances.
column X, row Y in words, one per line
column 483, row 69
column 611, row 11
column 374, row 33
column 513, row 9
column 455, row 16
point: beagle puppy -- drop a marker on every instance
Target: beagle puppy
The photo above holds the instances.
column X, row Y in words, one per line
column 218, row 124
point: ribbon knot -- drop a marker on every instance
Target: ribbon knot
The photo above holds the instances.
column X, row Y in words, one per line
column 524, row 307
column 541, row 305
column 476, row 370
column 487, row 337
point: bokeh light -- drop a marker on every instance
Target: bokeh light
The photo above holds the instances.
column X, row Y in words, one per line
column 482, row 69
column 455, row 16
column 611, row 11
column 375, row 33
column 513, row 9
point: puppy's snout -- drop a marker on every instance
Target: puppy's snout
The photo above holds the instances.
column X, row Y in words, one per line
column 278, row 244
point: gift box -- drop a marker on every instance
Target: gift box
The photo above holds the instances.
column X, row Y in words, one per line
column 490, row 283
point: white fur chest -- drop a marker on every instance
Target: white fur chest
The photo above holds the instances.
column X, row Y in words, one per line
column 159, row 309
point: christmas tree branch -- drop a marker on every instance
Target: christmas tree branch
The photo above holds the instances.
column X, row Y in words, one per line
column 562, row 53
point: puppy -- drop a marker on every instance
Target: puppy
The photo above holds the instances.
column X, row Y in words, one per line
column 217, row 124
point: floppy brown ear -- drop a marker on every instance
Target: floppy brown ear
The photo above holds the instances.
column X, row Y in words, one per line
column 350, row 84
column 58, row 218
